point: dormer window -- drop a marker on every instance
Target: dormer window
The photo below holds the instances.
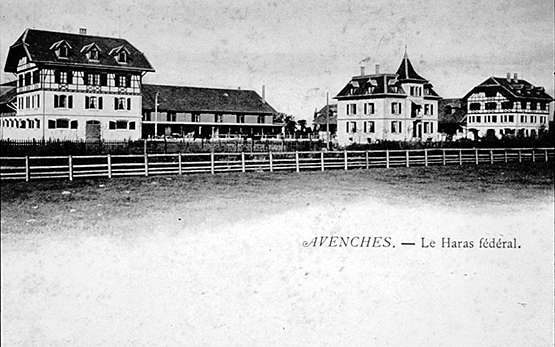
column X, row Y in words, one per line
column 92, row 51
column 62, row 49
column 122, row 57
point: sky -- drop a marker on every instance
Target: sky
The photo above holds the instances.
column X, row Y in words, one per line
column 303, row 49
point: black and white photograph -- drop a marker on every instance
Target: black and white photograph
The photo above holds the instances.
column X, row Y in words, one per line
column 277, row 173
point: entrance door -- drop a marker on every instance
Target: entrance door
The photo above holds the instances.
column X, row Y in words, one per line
column 92, row 130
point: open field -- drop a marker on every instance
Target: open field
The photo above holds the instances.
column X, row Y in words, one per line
column 217, row 260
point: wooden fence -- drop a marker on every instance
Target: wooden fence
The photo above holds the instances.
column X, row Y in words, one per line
column 75, row 167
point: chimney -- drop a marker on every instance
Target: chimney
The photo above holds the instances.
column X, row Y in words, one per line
column 362, row 70
column 377, row 69
column 238, row 88
column 516, row 78
column 83, row 31
column 508, row 77
column 263, row 93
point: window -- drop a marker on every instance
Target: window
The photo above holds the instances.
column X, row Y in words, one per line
column 351, row 109
column 23, row 124
column 30, row 123
column 21, row 81
column 51, row 124
column 63, row 51
column 92, row 79
column 147, row 116
column 511, row 118
column 112, row 125
column 121, row 124
column 369, row 127
column 507, row 105
column 196, row 117
column 396, row 127
column 533, row 105
column 415, row 91
column 396, row 108
column 93, row 103
column 37, row 122
column 131, row 125
column 62, row 124
column 122, row 57
column 93, row 54
column 475, row 106
column 218, row 118
column 524, row 105
column 351, row 127
column 122, row 103
column 369, row 108
column 240, row 118
column 122, row 81
column 171, row 117
column 27, row 78
column 74, row 124
column 491, row 105
column 523, row 119
column 494, row 119
column 63, row 101
column 260, row 119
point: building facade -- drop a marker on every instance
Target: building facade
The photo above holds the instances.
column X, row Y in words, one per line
column 507, row 106
column 383, row 106
column 194, row 112
column 326, row 115
column 75, row 87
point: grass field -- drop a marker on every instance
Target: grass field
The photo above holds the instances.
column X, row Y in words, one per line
column 217, row 260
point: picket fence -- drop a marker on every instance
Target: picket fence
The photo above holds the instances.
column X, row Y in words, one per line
column 79, row 167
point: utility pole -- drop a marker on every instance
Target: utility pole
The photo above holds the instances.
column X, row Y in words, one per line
column 328, row 121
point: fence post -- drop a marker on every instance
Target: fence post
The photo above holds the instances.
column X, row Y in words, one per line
column 243, row 162
column 297, row 161
column 212, row 164
column 546, row 155
column 146, row 164
column 491, row 156
column 70, row 166
column 533, row 155
column 505, row 155
column 387, row 158
column 476, row 155
column 407, row 157
column 345, row 159
column 460, row 156
column 425, row 157
column 322, row 160
column 109, row 157
column 444, row 159
column 27, row 169
column 179, row 162
column 367, row 160
column 271, row 156
column 520, row 156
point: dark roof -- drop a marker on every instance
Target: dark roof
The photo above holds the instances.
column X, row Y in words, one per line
column 511, row 88
column 38, row 46
column 406, row 71
column 372, row 85
column 451, row 111
column 196, row 99
column 320, row 116
column 7, row 94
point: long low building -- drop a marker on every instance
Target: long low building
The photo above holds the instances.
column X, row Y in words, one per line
column 206, row 112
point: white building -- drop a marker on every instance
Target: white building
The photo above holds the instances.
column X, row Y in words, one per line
column 385, row 106
column 75, row 87
column 506, row 106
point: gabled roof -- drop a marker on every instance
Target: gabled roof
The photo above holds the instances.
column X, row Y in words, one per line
column 406, row 71
column 40, row 47
column 320, row 116
column 196, row 99
column 511, row 88
column 457, row 109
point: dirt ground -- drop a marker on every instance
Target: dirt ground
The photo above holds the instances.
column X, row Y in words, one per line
column 219, row 260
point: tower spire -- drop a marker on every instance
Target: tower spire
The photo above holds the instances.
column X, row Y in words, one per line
column 406, row 59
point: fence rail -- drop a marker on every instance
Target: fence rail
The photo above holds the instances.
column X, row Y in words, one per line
column 75, row 167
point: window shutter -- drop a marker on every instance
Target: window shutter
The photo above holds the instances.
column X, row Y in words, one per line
column 70, row 77
column 128, row 103
column 56, row 76
column 56, row 101
column 365, row 127
column 115, row 103
column 128, row 81
column 116, row 80
column 100, row 103
column 347, row 123
column 85, row 78
column 70, row 101
column 87, row 99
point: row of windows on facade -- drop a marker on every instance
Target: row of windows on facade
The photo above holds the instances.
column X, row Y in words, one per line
column 92, row 53
column 66, row 101
column 413, row 90
column 507, row 119
column 509, row 105
column 396, row 108
column 62, row 123
column 87, row 78
column 396, row 127
column 218, row 118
